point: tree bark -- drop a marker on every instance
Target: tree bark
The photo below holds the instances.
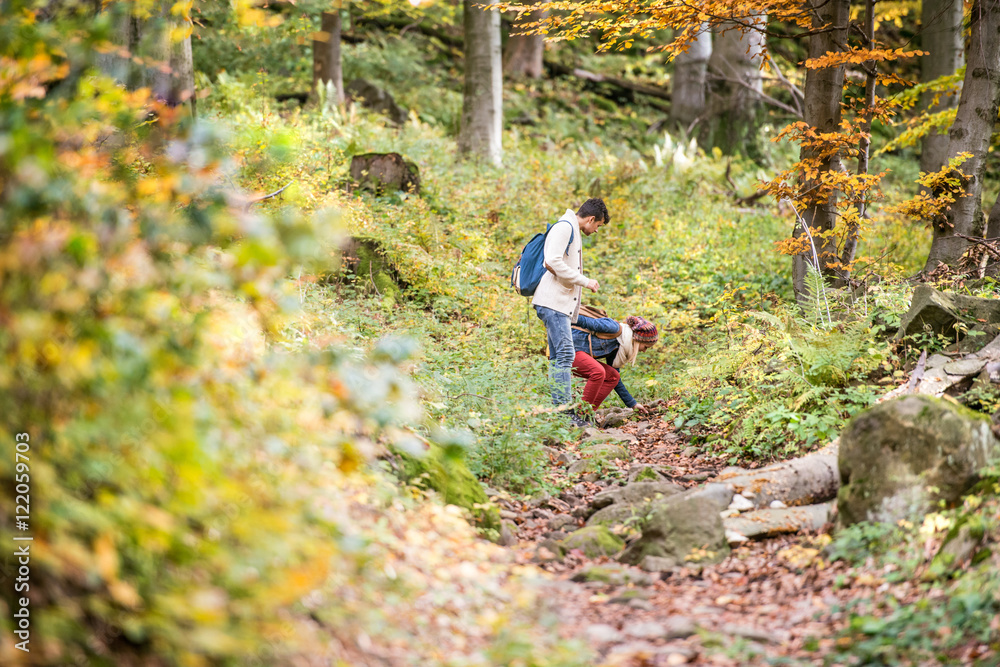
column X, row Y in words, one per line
column 167, row 67
column 809, row 479
column 482, row 98
column 327, row 66
column 824, row 90
column 942, row 39
column 523, row 56
column 760, row 524
column 734, row 87
column 971, row 131
column 688, row 94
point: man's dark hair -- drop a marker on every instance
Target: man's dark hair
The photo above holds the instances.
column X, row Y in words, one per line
column 596, row 208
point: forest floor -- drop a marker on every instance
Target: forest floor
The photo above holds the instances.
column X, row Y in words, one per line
column 774, row 601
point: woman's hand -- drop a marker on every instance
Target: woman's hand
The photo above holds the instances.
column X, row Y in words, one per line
column 641, row 409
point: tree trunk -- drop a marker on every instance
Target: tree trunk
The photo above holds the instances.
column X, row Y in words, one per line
column 734, row 87
column 482, row 99
column 809, row 479
column 688, row 94
column 167, row 67
column 326, row 55
column 523, row 55
column 824, row 90
column 942, row 39
column 760, row 524
column 974, row 121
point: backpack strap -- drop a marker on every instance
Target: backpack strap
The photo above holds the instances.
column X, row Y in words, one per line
column 571, row 232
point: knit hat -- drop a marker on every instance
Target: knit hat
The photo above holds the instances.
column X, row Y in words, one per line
column 643, row 331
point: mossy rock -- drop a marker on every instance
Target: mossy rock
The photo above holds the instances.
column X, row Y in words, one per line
column 648, row 474
column 593, row 541
column 684, row 528
column 605, row 451
column 902, row 458
column 451, row 478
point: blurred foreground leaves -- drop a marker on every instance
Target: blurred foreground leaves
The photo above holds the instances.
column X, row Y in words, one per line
column 199, row 496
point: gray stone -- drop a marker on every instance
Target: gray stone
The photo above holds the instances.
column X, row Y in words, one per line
column 637, row 492
column 902, row 457
column 632, row 502
column 601, row 633
column 938, row 312
column 613, row 574
column 685, row 527
column 618, row 515
column 645, row 472
column 644, row 629
column 611, row 417
column 740, row 504
column 560, row 521
column 637, row 603
column 611, row 435
column 605, row 451
column 696, row 477
column 751, row 633
column 378, row 100
column 593, row 541
column 936, row 361
column 582, row 466
column 678, row 627
column 508, row 534
column 559, row 456
column 964, row 366
column 658, row 564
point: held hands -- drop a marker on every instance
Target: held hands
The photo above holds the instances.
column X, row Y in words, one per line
column 593, row 285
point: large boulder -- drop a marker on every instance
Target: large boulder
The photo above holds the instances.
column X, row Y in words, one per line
column 933, row 311
column 618, row 505
column 899, row 459
column 685, row 528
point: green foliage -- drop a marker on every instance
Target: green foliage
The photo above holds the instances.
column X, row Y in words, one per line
column 936, row 617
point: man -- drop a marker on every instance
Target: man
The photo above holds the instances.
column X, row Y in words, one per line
column 558, row 295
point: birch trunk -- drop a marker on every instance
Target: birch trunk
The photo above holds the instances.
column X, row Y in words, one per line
column 824, row 89
column 326, row 55
column 734, row 85
column 688, row 94
column 524, row 54
column 942, row 39
column 974, row 121
column 482, row 99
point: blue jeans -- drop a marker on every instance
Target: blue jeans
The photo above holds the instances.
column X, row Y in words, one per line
column 561, row 353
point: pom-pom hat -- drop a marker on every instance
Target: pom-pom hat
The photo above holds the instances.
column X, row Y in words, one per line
column 643, row 331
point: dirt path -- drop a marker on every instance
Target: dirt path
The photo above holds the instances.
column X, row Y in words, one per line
column 767, row 600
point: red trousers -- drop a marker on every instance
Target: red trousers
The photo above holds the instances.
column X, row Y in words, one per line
column 601, row 378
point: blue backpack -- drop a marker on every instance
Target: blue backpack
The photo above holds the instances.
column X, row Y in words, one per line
column 530, row 265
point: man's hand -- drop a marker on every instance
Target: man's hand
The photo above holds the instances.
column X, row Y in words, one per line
column 593, row 285
column 641, row 409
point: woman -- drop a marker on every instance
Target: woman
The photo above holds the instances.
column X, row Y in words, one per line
column 595, row 339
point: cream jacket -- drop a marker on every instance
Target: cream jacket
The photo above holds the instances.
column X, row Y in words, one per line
column 561, row 288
